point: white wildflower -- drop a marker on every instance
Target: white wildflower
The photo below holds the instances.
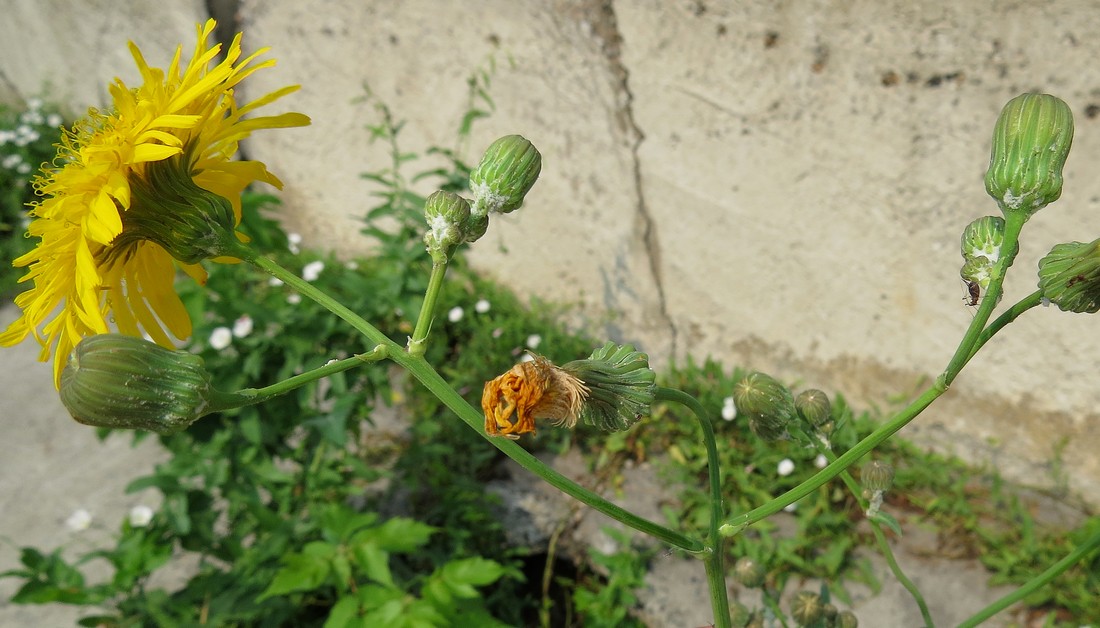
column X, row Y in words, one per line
column 242, row 326
column 220, row 338
column 274, row 282
column 294, row 298
column 455, row 314
column 821, row 461
column 23, row 168
column 80, row 520
column 54, row 120
column 533, row 341
column 312, row 270
column 785, row 468
column 11, row 161
column 790, row 507
column 482, row 306
column 292, row 242
column 140, row 516
column 729, row 411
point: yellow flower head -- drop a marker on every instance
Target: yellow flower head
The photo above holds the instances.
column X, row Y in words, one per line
column 84, row 276
column 531, row 390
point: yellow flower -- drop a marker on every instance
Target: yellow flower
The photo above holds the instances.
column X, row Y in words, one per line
column 84, row 276
column 531, row 390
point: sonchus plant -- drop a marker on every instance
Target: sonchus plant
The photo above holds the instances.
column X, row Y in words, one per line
column 149, row 187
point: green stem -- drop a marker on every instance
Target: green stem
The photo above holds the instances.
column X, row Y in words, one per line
column 886, row 430
column 1035, row 583
column 424, row 320
column 249, row 396
column 713, row 558
column 1009, row 315
column 975, row 334
column 441, row 389
column 880, row 538
column 1014, row 222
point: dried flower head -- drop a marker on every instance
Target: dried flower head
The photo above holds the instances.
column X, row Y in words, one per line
column 531, row 390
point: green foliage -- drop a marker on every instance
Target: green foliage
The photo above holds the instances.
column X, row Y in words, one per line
column 606, row 602
column 27, row 140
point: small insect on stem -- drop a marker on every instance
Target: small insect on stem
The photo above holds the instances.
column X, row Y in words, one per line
column 974, row 292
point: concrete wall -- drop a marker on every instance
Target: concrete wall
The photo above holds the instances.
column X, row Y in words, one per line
column 780, row 185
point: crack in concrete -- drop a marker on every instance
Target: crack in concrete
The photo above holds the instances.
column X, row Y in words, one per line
column 606, row 26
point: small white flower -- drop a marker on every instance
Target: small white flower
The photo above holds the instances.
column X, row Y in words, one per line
column 785, row 468
column 220, row 338
column 11, row 161
column 140, row 516
column 455, row 314
column 294, row 298
column 6, row 136
column 292, row 242
column 352, row 265
column 274, row 282
column 533, row 341
column 242, row 326
column 34, row 103
column 54, row 120
column 821, row 461
column 790, row 507
column 482, row 306
column 23, row 168
column 32, row 116
column 729, row 411
column 497, row 332
column 526, row 357
column 312, row 270
column 80, row 520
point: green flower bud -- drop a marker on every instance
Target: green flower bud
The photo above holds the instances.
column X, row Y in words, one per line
column 118, row 381
column 739, row 613
column 509, row 168
column 847, row 619
column 621, row 386
column 830, row 612
column 168, row 208
column 877, row 476
column 447, row 215
column 982, row 239
column 977, row 270
column 1070, row 276
column 806, row 608
column 813, row 406
column 476, row 226
column 1031, row 141
column 767, row 403
column 749, row 572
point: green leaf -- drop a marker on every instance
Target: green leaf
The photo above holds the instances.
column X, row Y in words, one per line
column 476, row 571
column 345, row 614
column 887, row 520
column 374, row 561
column 302, row 572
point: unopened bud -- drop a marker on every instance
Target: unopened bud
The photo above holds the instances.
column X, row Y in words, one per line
column 813, row 406
column 847, row 619
column 1031, row 141
column 509, row 168
column 447, row 215
column 877, row 476
column 768, row 405
column 118, row 381
column 1070, row 276
column 807, row 608
column 982, row 239
column 749, row 572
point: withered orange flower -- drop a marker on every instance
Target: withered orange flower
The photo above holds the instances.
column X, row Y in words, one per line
column 531, row 390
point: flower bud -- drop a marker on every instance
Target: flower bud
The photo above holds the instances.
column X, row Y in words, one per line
column 877, row 476
column 977, row 271
column 807, row 608
column 767, row 403
column 118, row 381
column 846, row 619
column 813, row 406
column 168, row 208
column 982, row 239
column 749, row 572
column 509, row 168
column 1070, row 276
column 621, row 386
column 1031, row 141
column 447, row 215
